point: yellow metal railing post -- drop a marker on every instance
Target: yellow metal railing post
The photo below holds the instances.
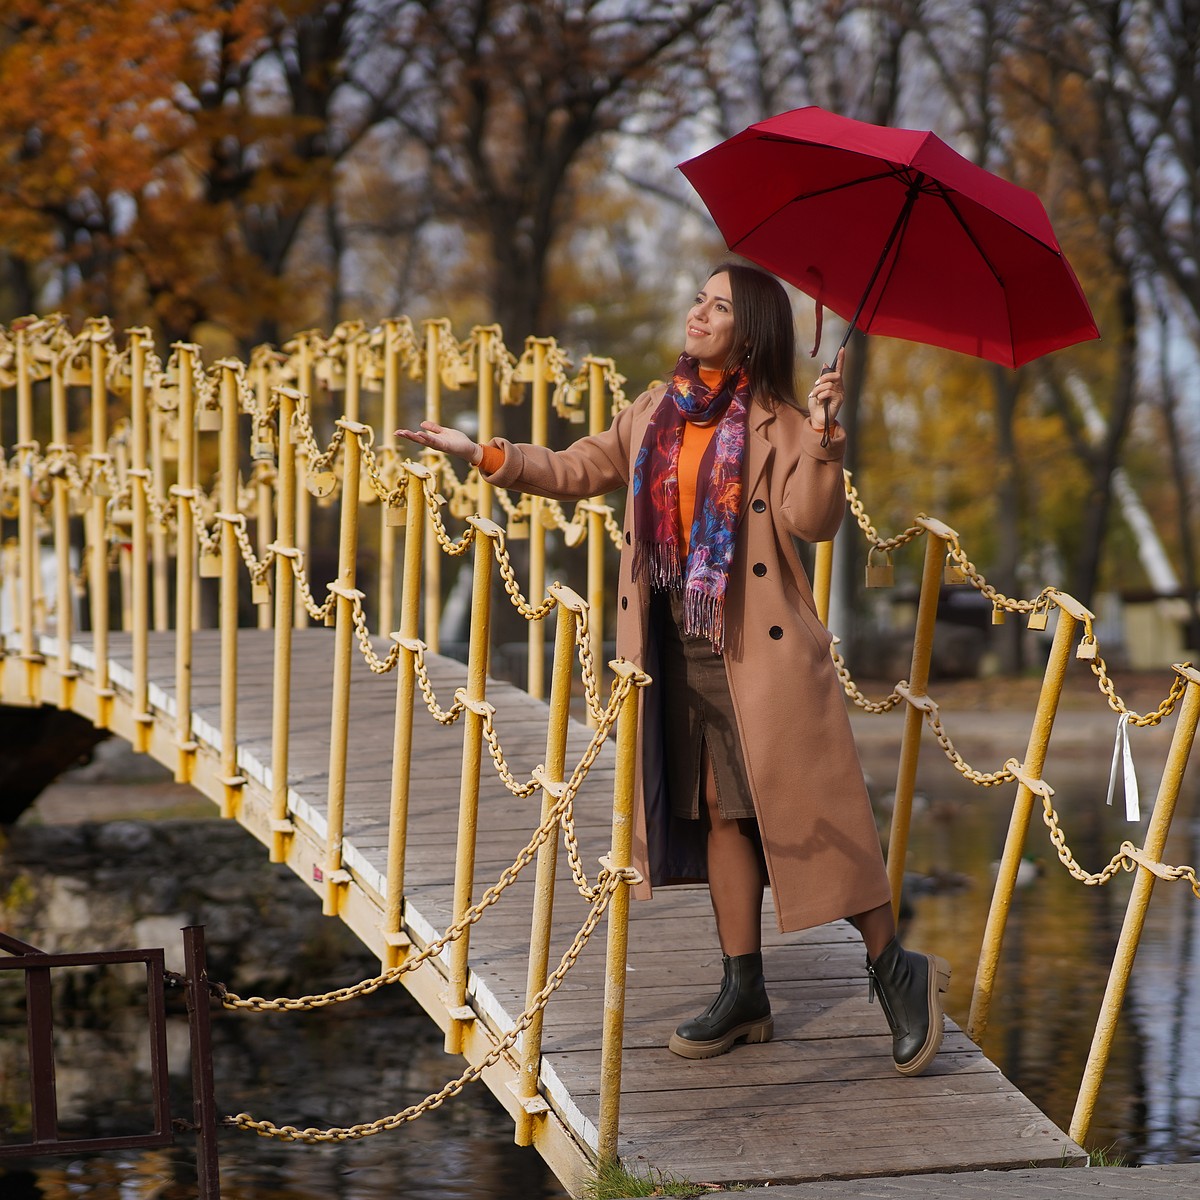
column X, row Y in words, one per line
column 264, row 492
column 387, row 453
column 406, row 678
column 231, row 562
column 936, row 534
column 27, row 536
column 539, row 400
column 569, row 605
column 1070, row 614
column 302, row 534
column 823, row 579
column 158, row 534
column 486, row 411
column 612, row 1040
column 64, row 624
column 433, row 553
column 1139, row 901
column 345, row 593
column 185, row 493
column 139, row 475
column 597, row 423
column 474, row 696
column 119, row 520
column 98, row 532
column 285, row 599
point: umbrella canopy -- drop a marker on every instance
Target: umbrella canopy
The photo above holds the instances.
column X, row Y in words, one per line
column 897, row 233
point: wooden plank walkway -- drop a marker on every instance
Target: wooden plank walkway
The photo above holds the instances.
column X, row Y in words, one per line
column 820, row 1101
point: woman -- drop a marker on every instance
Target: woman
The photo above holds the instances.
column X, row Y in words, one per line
column 747, row 771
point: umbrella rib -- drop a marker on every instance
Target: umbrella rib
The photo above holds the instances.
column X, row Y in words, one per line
column 987, row 262
column 893, row 173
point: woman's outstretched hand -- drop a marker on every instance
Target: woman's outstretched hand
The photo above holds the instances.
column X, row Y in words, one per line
column 443, row 438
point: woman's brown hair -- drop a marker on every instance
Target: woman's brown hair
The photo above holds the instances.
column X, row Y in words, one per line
column 764, row 333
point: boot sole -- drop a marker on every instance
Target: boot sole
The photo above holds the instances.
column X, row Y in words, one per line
column 752, row 1031
column 939, row 982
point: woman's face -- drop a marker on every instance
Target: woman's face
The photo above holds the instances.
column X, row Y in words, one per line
column 708, row 333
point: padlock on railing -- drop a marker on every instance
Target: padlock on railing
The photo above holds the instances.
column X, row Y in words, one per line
column 1088, row 649
column 260, row 590
column 1039, row 617
column 999, row 615
column 880, row 574
column 953, row 573
column 321, row 483
column 396, row 515
column 210, row 564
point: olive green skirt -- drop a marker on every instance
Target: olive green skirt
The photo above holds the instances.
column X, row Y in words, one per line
column 697, row 712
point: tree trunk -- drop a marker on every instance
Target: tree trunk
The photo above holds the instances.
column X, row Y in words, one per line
column 1099, row 501
column 1005, row 388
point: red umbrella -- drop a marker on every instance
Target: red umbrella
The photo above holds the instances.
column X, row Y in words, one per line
column 897, row 233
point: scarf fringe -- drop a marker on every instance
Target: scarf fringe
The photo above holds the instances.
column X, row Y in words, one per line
column 661, row 562
column 704, row 616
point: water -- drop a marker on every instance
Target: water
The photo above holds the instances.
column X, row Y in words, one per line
column 357, row 1062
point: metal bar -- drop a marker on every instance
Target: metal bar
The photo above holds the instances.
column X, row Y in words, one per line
column 27, row 537
column 264, row 534
column 1018, row 827
column 406, row 677
column 64, row 621
column 914, row 721
column 140, row 583
column 302, row 533
column 98, row 544
column 823, row 579
column 468, row 797
column 40, row 1026
column 597, row 423
column 539, row 400
column 185, row 566
column 231, row 565
column 486, row 386
column 156, row 1011
column 285, row 599
column 387, row 453
column 547, row 859
column 339, row 728
column 612, row 1041
column 1139, row 901
column 204, row 1107
column 158, row 535
column 433, row 552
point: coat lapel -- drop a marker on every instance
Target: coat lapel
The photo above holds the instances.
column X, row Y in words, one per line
column 758, row 453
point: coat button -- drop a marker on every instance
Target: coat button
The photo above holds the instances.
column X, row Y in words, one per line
column 760, row 569
column 628, row 538
column 759, row 506
column 775, row 632
column 624, row 601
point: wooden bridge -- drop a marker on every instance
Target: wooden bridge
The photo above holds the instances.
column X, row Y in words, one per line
column 319, row 742
column 822, row 1100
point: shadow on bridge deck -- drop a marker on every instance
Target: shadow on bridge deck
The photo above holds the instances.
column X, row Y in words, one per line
column 820, row 1101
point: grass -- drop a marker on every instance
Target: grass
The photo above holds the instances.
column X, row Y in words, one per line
column 616, row 1181
column 1106, row 1156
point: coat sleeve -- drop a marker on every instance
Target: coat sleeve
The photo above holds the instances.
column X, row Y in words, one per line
column 591, row 466
column 814, row 489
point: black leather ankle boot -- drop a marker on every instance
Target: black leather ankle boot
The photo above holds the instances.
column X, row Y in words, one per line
column 740, row 1011
column 909, row 986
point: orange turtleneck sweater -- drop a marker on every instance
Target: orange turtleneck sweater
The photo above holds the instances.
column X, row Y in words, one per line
column 695, row 442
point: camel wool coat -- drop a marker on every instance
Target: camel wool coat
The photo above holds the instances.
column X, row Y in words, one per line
column 818, row 833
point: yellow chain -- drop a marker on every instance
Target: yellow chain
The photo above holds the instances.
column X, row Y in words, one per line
column 380, row 666
column 290, row 1133
column 885, row 545
column 513, row 588
column 855, row 694
column 441, row 715
column 447, row 543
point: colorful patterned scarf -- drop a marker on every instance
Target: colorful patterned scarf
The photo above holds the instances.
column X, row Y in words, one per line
column 705, row 576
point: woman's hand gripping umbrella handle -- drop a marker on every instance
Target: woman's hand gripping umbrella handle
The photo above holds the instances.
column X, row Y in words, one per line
column 829, row 393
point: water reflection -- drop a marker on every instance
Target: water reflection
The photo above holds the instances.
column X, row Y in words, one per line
column 331, row 1067
column 1057, row 951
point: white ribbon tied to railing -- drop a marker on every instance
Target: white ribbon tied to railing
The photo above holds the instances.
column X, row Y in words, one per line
column 1124, row 755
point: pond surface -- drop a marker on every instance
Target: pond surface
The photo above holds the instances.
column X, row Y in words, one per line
column 357, row 1062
